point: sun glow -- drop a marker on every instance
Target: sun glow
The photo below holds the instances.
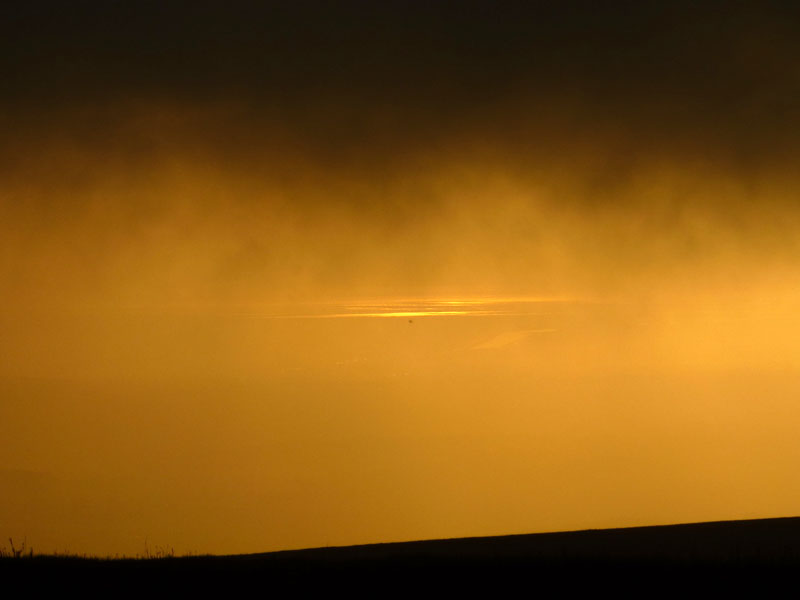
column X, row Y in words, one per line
column 418, row 307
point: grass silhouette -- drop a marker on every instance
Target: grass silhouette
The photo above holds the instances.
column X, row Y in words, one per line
column 25, row 551
column 21, row 552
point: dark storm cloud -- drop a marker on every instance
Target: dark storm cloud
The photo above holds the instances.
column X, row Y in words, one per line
column 329, row 146
column 366, row 77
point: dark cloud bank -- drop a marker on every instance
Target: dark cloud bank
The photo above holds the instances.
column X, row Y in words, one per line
column 561, row 139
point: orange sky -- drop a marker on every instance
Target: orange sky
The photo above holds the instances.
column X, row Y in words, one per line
column 282, row 285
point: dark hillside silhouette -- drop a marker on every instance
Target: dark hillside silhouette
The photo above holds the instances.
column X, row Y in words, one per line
column 729, row 552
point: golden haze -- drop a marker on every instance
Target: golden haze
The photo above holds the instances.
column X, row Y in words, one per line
column 537, row 348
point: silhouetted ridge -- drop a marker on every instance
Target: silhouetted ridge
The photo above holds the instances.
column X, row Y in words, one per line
column 723, row 554
column 757, row 539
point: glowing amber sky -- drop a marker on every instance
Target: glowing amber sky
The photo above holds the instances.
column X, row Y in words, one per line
column 313, row 274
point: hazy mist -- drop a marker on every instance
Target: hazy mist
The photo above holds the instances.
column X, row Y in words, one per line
column 325, row 292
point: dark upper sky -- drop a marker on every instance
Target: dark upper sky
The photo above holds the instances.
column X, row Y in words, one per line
column 720, row 72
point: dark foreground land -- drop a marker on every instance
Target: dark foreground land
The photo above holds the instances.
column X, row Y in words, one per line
column 758, row 553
